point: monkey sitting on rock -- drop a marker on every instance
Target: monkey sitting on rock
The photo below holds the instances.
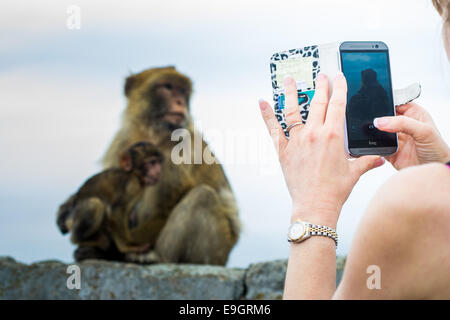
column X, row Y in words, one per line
column 191, row 215
column 100, row 214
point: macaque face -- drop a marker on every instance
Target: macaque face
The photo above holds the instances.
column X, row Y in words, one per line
column 159, row 98
column 151, row 170
column 172, row 104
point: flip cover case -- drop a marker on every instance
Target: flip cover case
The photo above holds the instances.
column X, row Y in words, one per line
column 304, row 64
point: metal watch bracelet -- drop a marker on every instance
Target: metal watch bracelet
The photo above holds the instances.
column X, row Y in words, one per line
column 302, row 230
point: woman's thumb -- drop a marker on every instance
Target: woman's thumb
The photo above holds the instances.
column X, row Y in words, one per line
column 364, row 164
column 418, row 130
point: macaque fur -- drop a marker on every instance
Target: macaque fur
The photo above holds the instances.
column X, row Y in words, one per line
column 191, row 215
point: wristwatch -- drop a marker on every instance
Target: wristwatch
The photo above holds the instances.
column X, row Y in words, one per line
column 301, row 230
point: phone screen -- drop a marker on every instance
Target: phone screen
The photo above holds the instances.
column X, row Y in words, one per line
column 369, row 96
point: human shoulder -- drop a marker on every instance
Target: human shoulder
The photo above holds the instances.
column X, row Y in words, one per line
column 424, row 187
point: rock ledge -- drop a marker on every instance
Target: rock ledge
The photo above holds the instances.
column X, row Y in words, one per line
column 114, row 280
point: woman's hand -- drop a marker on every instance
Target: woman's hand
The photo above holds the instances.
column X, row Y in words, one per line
column 419, row 141
column 317, row 171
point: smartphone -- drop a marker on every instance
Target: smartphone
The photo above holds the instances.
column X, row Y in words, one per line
column 366, row 67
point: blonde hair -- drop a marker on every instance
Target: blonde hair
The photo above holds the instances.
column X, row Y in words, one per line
column 443, row 8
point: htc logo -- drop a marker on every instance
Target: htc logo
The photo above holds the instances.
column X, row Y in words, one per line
column 372, row 143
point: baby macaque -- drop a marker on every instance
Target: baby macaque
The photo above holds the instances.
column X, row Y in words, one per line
column 99, row 214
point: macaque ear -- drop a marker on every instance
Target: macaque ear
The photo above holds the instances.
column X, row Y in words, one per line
column 125, row 162
column 129, row 84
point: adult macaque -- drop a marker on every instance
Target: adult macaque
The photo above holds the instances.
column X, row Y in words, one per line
column 191, row 214
column 100, row 214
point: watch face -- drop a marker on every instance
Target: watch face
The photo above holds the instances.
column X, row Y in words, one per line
column 297, row 231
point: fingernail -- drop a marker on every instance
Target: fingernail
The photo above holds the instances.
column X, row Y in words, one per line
column 262, row 105
column 287, row 79
column 380, row 122
column 339, row 74
column 321, row 76
column 379, row 162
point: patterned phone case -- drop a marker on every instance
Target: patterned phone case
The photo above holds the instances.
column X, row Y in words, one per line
column 304, row 64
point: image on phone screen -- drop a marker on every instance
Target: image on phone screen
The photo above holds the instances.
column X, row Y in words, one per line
column 369, row 96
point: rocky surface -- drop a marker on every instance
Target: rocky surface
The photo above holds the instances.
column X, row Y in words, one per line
column 114, row 280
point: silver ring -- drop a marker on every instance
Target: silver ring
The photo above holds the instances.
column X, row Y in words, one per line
column 289, row 127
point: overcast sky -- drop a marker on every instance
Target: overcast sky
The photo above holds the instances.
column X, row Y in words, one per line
column 61, row 98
